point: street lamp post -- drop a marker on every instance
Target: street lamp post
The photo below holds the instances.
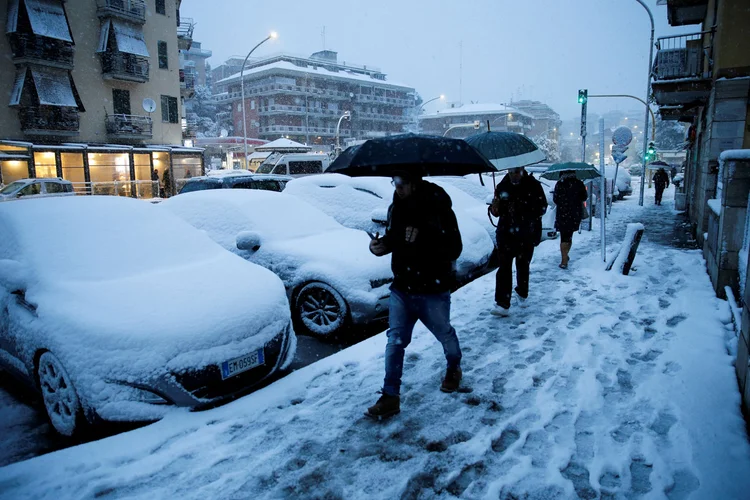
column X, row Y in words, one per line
column 346, row 116
column 648, row 92
column 242, row 87
column 419, row 111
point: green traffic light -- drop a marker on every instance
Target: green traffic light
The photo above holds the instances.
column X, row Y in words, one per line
column 582, row 96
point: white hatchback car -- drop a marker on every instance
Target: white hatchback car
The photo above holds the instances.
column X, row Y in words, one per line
column 330, row 275
column 36, row 188
column 113, row 309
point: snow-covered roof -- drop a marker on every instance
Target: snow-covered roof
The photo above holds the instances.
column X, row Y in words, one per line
column 319, row 71
column 283, row 145
column 477, row 109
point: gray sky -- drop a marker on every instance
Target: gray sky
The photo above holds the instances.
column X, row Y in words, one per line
column 521, row 49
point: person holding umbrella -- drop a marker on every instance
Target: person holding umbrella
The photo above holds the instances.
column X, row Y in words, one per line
column 519, row 203
column 569, row 196
column 661, row 182
column 423, row 236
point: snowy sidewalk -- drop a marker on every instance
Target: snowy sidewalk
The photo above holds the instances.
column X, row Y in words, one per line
column 606, row 386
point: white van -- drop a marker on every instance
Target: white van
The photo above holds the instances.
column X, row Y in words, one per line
column 295, row 164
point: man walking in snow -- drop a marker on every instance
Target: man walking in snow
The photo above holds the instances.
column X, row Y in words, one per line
column 423, row 235
column 519, row 204
column 661, row 182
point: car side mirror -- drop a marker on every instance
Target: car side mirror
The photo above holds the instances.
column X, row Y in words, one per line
column 13, row 275
column 248, row 240
column 379, row 216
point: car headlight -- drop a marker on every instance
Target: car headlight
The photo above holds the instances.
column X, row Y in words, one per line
column 378, row 283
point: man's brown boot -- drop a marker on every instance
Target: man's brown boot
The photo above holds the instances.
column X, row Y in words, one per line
column 452, row 380
column 386, row 406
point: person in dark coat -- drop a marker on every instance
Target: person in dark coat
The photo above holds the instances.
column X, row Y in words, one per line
column 423, row 236
column 519, row 204
column 570, row 193
column 661, row 182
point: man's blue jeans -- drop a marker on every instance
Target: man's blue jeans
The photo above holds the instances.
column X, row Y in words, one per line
column 434, row 311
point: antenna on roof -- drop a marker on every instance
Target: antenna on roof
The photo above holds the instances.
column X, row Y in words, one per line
column 323, row 36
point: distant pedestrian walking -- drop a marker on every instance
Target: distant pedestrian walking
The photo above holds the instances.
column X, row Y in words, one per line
column 155, row 183
column 661, row 182
column 570, row 194
column 423, row 235
column 519, row 204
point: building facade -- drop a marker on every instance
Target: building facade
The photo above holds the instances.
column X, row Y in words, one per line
column 304, row 99
column 547, row 121
column 703, row 79
column 94, row 90
column 459, row 120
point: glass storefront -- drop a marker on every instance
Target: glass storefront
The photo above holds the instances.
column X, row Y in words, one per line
column 110, row 174
column 45, row 164
column 185, row 167
column 12, row 170
column 145, row 187
column 73, row 171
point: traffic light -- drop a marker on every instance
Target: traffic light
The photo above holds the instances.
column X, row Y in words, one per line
column 583, row 96
column 651, row 152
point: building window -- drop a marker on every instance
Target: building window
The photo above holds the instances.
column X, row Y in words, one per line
column 252, row 104
column 161, row 7
column 169, row 109
column 163, row 58
column 121, row 101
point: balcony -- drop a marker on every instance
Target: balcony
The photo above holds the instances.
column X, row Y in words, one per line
column 187, row 82
column 49, row 121
column 683, row 69
column 133, row 11
column 189, row 129
column 185, row 33
column 682, row 12
column 122, row 66
column 129, row 126
column 34, row 49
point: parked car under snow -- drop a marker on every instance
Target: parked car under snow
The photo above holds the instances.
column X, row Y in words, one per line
column 362, row 203
column 113, row 309
column 330, row 275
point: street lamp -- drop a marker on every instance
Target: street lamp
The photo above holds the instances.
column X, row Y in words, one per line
column 648, row 92
column 346, row 116
column 419, row 111
column 242, row 86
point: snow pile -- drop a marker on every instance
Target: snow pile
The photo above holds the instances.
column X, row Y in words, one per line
column 125, row 291
column 622, row 255
column 297, row 241
column 605, row 386
column 715, row 206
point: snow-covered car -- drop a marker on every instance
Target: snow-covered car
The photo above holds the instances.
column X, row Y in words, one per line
column 115, row 310
column 362, row 203
column 36, row 188
column 330, row 275
column 236, row 181
column 623, row 183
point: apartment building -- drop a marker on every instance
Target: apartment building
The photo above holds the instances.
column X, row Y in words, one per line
column 703, row 79
column 95, row 93
column 546, row 120
column 303, row 99
column 458, row 119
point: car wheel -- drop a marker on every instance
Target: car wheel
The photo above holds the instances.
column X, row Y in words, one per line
column 59, row 395
column 320, row 310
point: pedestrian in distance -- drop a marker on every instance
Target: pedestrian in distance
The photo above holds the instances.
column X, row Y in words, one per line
column 569, row 196
column 661, row 182
column 155, row 188
column 519, row 203
column 423, row 236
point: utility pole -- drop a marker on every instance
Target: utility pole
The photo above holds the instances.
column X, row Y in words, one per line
column 602, row 191
column 583, row 100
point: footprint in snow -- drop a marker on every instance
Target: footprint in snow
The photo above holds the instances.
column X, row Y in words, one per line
column 664, row 303
column 640, row 472
column 509, row 436
column 671, row 367
column 684, row 484
column 676, row 320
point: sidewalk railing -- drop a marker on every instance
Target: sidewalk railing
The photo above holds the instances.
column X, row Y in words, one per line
column 136, row 189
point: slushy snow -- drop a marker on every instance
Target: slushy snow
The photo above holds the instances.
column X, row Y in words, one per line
column 606, row 386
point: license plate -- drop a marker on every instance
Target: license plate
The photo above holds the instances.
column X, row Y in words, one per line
column 235, row 366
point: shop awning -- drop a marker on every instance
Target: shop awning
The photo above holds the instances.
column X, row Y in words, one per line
column 54, row 87
column 128, row 37
column 47, row 18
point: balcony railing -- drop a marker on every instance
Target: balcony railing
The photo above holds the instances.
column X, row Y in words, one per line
column 187, row 80
column 41, row 50
column 190, row 129
column 129, row 126
column 185, row 33
column 122, row 66
column 49, row 120
column 129, row 10
column 684, row 56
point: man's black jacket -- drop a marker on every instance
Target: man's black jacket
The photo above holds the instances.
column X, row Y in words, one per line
column 426, row 265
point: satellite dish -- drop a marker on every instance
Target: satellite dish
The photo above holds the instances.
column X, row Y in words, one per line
column 149, row 105
column 223, row 133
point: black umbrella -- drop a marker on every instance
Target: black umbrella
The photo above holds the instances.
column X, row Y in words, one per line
column 424, row 155
column 507, row 150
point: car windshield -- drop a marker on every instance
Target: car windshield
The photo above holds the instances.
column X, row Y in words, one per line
column 265, row 168
column 201, row 185
column 12, row 187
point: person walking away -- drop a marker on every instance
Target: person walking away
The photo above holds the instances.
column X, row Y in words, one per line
column 569, row 196
column 423, row 236
column 155, row 183
column 661, row 182
column 519, row 203
column 167, row 180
